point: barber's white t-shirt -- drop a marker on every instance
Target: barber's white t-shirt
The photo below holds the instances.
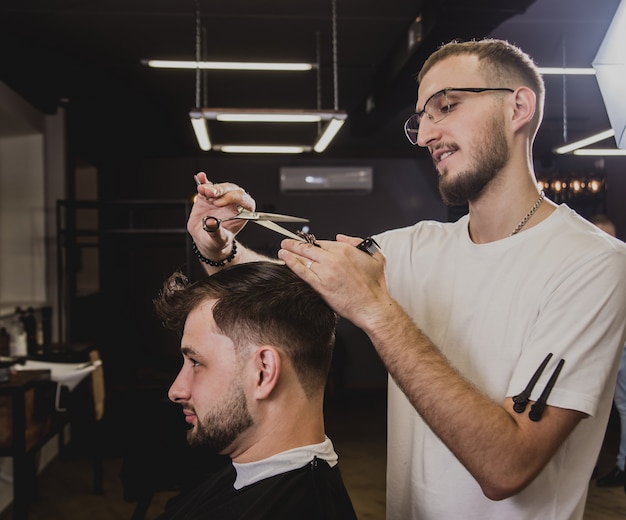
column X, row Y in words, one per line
column 495, row 311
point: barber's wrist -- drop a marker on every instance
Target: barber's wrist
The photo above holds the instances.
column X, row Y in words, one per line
column 226, row 256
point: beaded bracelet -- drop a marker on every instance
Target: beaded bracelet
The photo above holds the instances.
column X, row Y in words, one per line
column 213, row 263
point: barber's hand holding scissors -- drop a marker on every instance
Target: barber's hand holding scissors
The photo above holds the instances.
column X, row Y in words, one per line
column 352, row 283
column 222, row 201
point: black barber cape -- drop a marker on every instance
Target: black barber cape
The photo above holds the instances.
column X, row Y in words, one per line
column 313, row 492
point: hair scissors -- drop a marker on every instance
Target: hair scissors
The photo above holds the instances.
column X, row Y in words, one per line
column 211, row 224
column 268, row 220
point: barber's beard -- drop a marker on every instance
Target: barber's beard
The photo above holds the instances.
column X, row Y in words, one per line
column 490, row 156
column 221, row 426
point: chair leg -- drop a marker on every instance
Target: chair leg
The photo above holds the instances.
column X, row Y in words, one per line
column 98, row 459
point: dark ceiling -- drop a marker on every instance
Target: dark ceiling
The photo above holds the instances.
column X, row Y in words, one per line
column 87, row 55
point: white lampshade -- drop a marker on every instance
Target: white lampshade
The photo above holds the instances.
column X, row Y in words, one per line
column 610, row 67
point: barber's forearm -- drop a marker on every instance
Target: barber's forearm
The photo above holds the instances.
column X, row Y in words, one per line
column 502, row 450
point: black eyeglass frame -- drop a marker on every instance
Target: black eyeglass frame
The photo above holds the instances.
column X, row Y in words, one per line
column 408, row 131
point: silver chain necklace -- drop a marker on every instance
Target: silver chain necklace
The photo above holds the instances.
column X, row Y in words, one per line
column 535, row 207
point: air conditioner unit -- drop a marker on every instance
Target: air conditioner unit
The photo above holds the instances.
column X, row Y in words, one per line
column 326, row 178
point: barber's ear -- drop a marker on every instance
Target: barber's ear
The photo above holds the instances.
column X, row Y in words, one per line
column 525, row 106
column 267, row 364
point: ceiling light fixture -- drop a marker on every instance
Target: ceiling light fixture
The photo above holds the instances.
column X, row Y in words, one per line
column 200, row 115
column 262, row 149
column 268, row 118
column 334, row 125
column 567, row 71
column 276, row 115
column 329, row 133
column 603, row 152
column 584, row 142
column 202, row 133
column 229, row 65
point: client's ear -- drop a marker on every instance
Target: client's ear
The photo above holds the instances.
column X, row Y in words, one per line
column 267, row 364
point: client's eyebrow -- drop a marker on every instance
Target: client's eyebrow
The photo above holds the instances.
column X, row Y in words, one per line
column 189, row 352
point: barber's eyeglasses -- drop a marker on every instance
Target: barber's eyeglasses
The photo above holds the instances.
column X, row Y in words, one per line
column 437, row 107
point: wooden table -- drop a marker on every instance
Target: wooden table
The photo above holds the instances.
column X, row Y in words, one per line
column 27, row 422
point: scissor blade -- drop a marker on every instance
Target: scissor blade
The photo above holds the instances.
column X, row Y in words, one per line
column 279, row 229
column 277, row 217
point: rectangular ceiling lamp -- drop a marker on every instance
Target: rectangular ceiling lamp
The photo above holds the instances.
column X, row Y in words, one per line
column 228, row 65
column 200, row 115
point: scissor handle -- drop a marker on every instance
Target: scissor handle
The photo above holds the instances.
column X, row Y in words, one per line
column 210, row 228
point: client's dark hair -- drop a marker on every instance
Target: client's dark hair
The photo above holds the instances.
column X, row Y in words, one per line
column 260, row 303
